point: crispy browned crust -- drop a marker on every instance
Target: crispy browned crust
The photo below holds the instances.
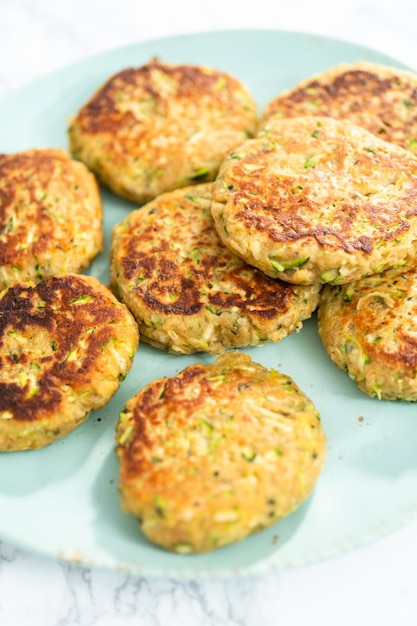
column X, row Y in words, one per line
column 57, row 346
column 187, row 291
column 161, row 126
column 217, row 452
column 313, row 199
column 381, row 99
column 368, row 329
column 50, row 216
column 187, row 82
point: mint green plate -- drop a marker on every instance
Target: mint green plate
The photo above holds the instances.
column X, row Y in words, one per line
column 62, row 501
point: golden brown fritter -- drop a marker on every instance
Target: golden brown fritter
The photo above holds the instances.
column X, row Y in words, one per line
column 160, row 126
column 216, row 453
column 187, row 291
column 368, row 328
column 65, row 345
column 50, row 216
column 382, row 99
column 318, row 200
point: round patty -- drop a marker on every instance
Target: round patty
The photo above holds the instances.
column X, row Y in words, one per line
column 216, row 453
column 318, row 200
column 158, row 127
column 65, row 345
column 381, row 99
column 50, row 216
column 368, row 329
column 187, row 291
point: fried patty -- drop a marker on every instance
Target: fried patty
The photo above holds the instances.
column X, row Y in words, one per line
column 216, row 453
column 187, row 291
column 318, row 200
column 382, row 99
column 368, row 328
column 65, row 345
column 158, row 127
column 50, row 216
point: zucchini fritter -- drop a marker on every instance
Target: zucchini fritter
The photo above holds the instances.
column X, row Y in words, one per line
column 65, row 345
column 50, row 216
column 160, row 126
column 187, row 291
column 318, row 200
column 216, row 453
column 368, row 328
column 379, row 98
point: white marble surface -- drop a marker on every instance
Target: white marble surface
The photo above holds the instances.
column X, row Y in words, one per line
column 373, row 585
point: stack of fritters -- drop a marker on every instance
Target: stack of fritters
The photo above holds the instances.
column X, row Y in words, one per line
column 65, row 340
column 317, row 204
column 162, row 128
column 327, row 193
